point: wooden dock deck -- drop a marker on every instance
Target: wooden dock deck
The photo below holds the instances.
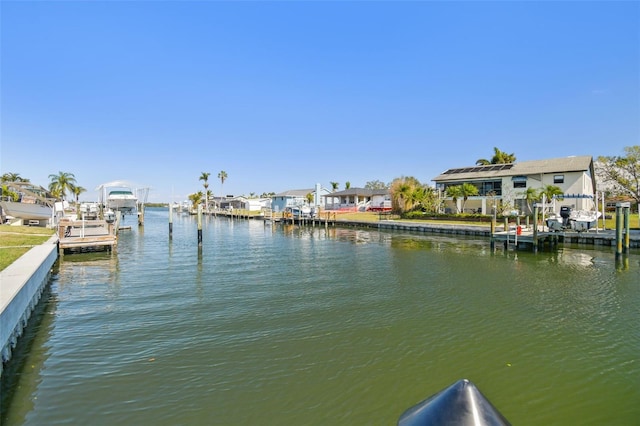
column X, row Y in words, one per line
column 86, row 235
column 597, row 237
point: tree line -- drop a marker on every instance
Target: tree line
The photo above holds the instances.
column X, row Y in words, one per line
column 619, row 174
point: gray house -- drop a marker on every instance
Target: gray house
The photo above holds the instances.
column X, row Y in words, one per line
column 298, row 198
column 507, row 184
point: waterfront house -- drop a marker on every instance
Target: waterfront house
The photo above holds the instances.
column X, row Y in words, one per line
column 298, row 198
column 506, row 185
column 244, row 203
column 359, row 199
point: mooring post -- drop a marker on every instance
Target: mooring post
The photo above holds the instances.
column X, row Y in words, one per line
column 141, row 216
column 170, row 221
column 118, row 218
column 626, row 208
column 493, row 231
column 535, row 228
column 199, row 225
column 506, row 223
column 618, row 229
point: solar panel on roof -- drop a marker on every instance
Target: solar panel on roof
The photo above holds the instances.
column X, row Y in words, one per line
column 489, row 168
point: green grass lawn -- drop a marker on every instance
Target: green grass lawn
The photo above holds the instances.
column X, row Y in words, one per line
column 17, row 240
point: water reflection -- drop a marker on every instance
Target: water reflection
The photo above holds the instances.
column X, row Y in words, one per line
column 23, row 374
column 92, row 268
column 281, row 315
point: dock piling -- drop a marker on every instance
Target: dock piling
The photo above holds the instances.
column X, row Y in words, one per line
column 622, row 221
column 170, row 222
column 535, row 228
column 199, row 226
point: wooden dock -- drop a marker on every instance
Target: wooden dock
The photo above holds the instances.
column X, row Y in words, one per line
column 522, row 236
column 86, row 235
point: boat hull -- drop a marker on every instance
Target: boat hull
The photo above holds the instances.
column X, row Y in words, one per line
column 122, row 204
column 29, row 211
column 124, row 201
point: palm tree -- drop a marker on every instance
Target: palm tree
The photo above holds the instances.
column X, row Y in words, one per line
column 61, row 183
column 196, row 199
column 12, row 177
column 454, row 192
column 402, row 196
column 222, row 176
column 77, row 190
column 401, row 189
column 310, row 198
column 204, row 176
column 209, row 195
column 334, row 186
column 499, row 157
column 549, row 191
column 531, row 195
column 9, row 194
column 418, row 196
column 347, row 185
column 467, row 190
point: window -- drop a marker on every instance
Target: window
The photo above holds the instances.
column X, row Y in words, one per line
column 519, row 181
column 558, row 178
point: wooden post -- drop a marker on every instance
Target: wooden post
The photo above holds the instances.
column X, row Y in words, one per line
column 618, row 229
column 626, row 211
column 118, row 218
column 493, row 231
column 199, row 225
column 141, row 215
column 170, row 221
column 535, row 229
column 506, row 223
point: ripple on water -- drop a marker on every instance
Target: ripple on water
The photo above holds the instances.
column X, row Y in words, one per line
column 333, row 326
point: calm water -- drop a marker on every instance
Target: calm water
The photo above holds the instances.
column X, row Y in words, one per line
column 282, row 325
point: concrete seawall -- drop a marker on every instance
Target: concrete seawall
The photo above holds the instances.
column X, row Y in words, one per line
column 21, row 285
column 602, row 238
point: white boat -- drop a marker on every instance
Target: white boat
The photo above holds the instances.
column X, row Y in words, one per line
column 122, row 199
column 573, row 220
column 89, row 210
column 118, row 196
column 24, row 200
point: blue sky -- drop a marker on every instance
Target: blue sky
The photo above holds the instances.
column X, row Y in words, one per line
column 282, row 95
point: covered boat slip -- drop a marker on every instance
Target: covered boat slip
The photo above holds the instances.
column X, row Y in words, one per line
column 123, row 196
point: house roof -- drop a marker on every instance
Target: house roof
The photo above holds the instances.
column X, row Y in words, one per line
column 295, row 193
column 523, row 168
column 359, row 191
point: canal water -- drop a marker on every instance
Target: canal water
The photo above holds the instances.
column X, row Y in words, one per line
column 281, row 325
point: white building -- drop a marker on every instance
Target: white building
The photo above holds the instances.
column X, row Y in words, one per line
column 507, row 184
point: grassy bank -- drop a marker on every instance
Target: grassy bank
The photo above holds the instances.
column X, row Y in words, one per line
column 17, row 240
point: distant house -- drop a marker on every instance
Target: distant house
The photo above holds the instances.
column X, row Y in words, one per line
column 508, row 183
column 244, row 203
column 298, row 197
column 359, row 199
